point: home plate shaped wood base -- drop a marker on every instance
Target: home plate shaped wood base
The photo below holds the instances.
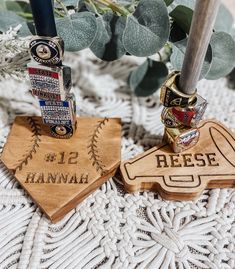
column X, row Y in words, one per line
column 59, row 173
column 209, row 164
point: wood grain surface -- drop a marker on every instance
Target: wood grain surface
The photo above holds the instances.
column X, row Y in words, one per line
column 59, row 173
column 209, row 164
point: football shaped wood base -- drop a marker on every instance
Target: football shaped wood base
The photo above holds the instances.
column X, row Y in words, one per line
column 59, row 173
column 183, row 176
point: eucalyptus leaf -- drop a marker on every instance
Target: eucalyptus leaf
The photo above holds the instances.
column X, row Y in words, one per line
column 67, row 3
column 71, row 2
column 107, row 44
column 182, row 15
column 9, row 19
column 178, row 54
column 176, row 33
column 168, row 2
column 137, row 75
column 148, row 77
column 147, row 30
column 130, row 5
column 78, row 30
column 18, row 6
column 187, row 3
column 2, row 5
column 224, row 20
column 87, row 6
column 233, row 33
column 126, row 2
column 101, row 38
column 223, row 51
column 27, row 29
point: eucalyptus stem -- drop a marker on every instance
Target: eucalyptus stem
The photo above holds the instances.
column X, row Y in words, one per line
column 25, row 15
column 165, row 53
column 93, row 5
column 115, row 7
column 62, row 6
column 59, row 13
column 160, row 56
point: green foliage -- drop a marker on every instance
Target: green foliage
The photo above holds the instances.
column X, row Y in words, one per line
column 107, row 44
column 68, row 3
column 168, row 2
column 223, row 52
column 182, row 16
column 27, row 29
column 177, row 57
column 3, row 5
column 148, row 77
column 224, row 20
column 77, row 30
column 21, row 8
column 220, row 57
column 18, row 6
column 176, row 33
column 147, row 30
column 9, row 18
column 186, row 3
column 132, row 27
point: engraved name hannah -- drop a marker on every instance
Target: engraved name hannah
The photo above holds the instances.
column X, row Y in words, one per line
column 57, row 178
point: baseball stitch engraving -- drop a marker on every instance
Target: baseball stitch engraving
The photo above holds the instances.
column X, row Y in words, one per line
column 93, row 148
column 35, row 128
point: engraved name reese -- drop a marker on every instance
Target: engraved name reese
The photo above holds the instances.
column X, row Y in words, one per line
column 186, row 160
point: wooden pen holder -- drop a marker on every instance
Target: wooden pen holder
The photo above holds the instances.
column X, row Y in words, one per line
column 183, row 176
column 59, row 173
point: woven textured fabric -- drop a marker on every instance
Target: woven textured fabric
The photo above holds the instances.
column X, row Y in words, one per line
column 111, row 228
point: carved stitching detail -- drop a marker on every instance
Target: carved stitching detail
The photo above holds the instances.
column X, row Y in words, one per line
column 35, row 128
column 93, row 148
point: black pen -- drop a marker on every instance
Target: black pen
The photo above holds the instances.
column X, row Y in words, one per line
column 43, row 15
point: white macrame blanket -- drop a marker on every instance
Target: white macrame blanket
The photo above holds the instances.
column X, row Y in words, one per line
column 111, row 228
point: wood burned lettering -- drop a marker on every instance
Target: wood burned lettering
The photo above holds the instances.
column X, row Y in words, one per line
column 186, row 160
column 62, row 157
column 56, row 178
